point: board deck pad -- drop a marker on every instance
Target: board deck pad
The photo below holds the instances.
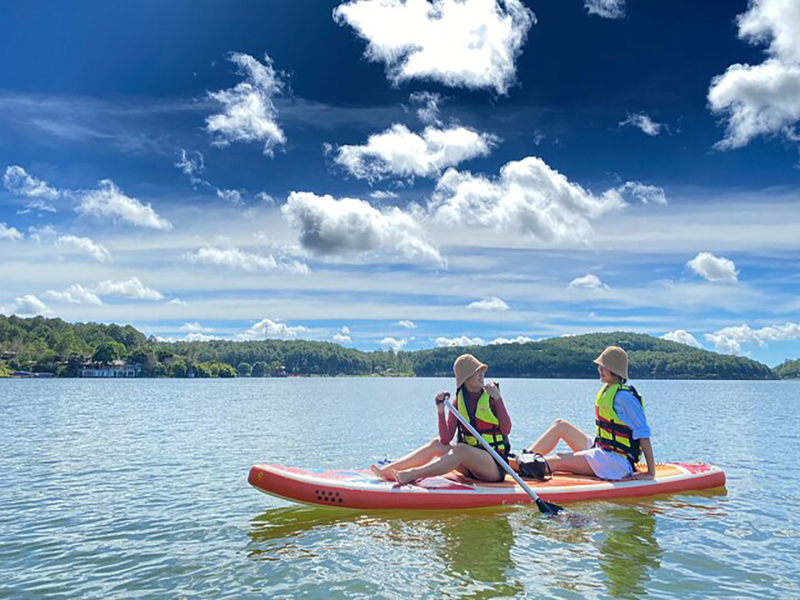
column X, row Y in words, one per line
column 361, row 489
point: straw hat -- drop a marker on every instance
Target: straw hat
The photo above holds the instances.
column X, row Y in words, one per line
column 465, row 367
column 614, row 359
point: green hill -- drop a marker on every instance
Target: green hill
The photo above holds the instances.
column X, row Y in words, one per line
column 53, row 345
column 788, row 369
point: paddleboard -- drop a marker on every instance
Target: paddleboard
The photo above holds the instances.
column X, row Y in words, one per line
column 360, row 489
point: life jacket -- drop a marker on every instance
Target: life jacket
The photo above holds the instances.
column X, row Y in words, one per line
column 612, row 432
column 485, row 422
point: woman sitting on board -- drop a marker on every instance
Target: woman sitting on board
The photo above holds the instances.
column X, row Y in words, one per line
column 483, row 406
column 622, row 434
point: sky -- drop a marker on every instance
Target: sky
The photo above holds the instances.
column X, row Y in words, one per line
column 405, row 174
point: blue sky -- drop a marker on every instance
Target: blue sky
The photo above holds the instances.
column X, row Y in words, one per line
column 405, row 174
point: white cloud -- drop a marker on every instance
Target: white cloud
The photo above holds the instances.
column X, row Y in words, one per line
column 528, row 198
column 235, row 258
column 609, row 9
column 395, row 344
column 763, row 99
column 72, row 243
column 522, row 339
column 265, row 198
column 196, row 327
column 191, row 164
column 407, row 324
column 588, row 282
column 491, row 303
column 9, row 233
column 38, row 234
column 428, row 111
column 199, row 337
column 713, row 268
column 682, row 337
column 345, row 330
column 232, row 196
column 443, row 342
column 646, row 194
column 109, row 201
column 17, row 181
column 342, row 338
column 28, row 306
column 729, row 340
column 131, row 288
column 271, row 329
column 382, row 195
column 467, row 43
column 643, row 122
column 401, row 153
column 327, row 226
column 249, row 113
column 75, row 294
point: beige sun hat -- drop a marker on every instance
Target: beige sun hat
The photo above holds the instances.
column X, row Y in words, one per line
column 465, row 367
column 614, row 359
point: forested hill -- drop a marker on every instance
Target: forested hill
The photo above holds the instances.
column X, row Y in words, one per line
column 52, row 345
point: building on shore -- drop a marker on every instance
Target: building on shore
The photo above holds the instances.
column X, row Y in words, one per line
column 116, row 368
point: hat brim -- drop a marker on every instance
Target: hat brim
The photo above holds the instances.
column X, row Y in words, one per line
column 597, row 361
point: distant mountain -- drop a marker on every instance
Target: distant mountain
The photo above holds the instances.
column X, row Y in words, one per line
column 788, row 369
column 53, row 345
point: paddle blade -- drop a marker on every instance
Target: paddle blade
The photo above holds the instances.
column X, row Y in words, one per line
column 548, row 508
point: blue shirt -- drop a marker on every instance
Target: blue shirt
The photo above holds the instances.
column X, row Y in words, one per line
column 630, row 411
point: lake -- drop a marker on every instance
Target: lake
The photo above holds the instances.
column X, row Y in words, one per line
column 138, row 488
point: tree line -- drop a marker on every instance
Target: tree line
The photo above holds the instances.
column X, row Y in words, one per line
column 54, row 346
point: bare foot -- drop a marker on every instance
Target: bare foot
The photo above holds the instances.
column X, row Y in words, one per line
column 380, row 473
column 405, row 477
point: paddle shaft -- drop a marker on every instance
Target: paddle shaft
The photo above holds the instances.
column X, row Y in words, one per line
column 499, row 459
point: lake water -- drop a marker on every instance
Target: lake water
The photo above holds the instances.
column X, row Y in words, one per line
column 138, row 488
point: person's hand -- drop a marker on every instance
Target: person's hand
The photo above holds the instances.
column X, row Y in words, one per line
column 439, row 400
column 493, row 391
column 643, row 475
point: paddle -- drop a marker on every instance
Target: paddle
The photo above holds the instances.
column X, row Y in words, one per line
column 546, row 508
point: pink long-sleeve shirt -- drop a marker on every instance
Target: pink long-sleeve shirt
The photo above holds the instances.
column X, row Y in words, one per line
column 448, row 426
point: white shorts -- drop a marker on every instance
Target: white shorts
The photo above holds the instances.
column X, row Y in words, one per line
column 605, row 464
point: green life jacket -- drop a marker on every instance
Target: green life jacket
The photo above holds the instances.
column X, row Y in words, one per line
column 612, row 432
column 485, row 422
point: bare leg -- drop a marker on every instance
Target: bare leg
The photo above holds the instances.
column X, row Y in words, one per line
column 570, row 463
column 479, row 462
column 560, row 430
column 421, row 456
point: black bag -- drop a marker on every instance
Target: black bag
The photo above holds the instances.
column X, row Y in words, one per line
column 533, row 465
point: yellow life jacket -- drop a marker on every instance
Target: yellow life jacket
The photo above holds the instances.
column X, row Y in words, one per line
column 485, row 422
column 612, row 432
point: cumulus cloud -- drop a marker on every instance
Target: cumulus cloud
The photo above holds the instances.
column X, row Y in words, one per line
column 265, row 198
column 407, row 324
column 75, row 294
column 38, row 234
column 82, row 245
column 763, row 99
column 682, row 337
column 588, row 282
column 491, row 303
column 382, row 195
column 192, row 164
column 646, row 194
column 643, row 122
column 196, row 327
column 443, row 342
column 28, row 306
column 528, row 198
column 428, row 111
column 268, row 328
column 9, row 233
column 395, row 344
column 399, row 152
column 729, row 340
column 608, row 9
column 521, row 339
column 247, row 261
column 713, row 268
column 109, row 201
column 248, row 111
column 232, row 196
column 327, row 226
column 460, row 43
column 342, row 338
column 199, row 337
column 130, row 288
column 17, row 181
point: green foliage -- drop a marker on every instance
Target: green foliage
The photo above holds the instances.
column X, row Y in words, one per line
column 55, row 346
column 788, row 369
column 4, row 370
